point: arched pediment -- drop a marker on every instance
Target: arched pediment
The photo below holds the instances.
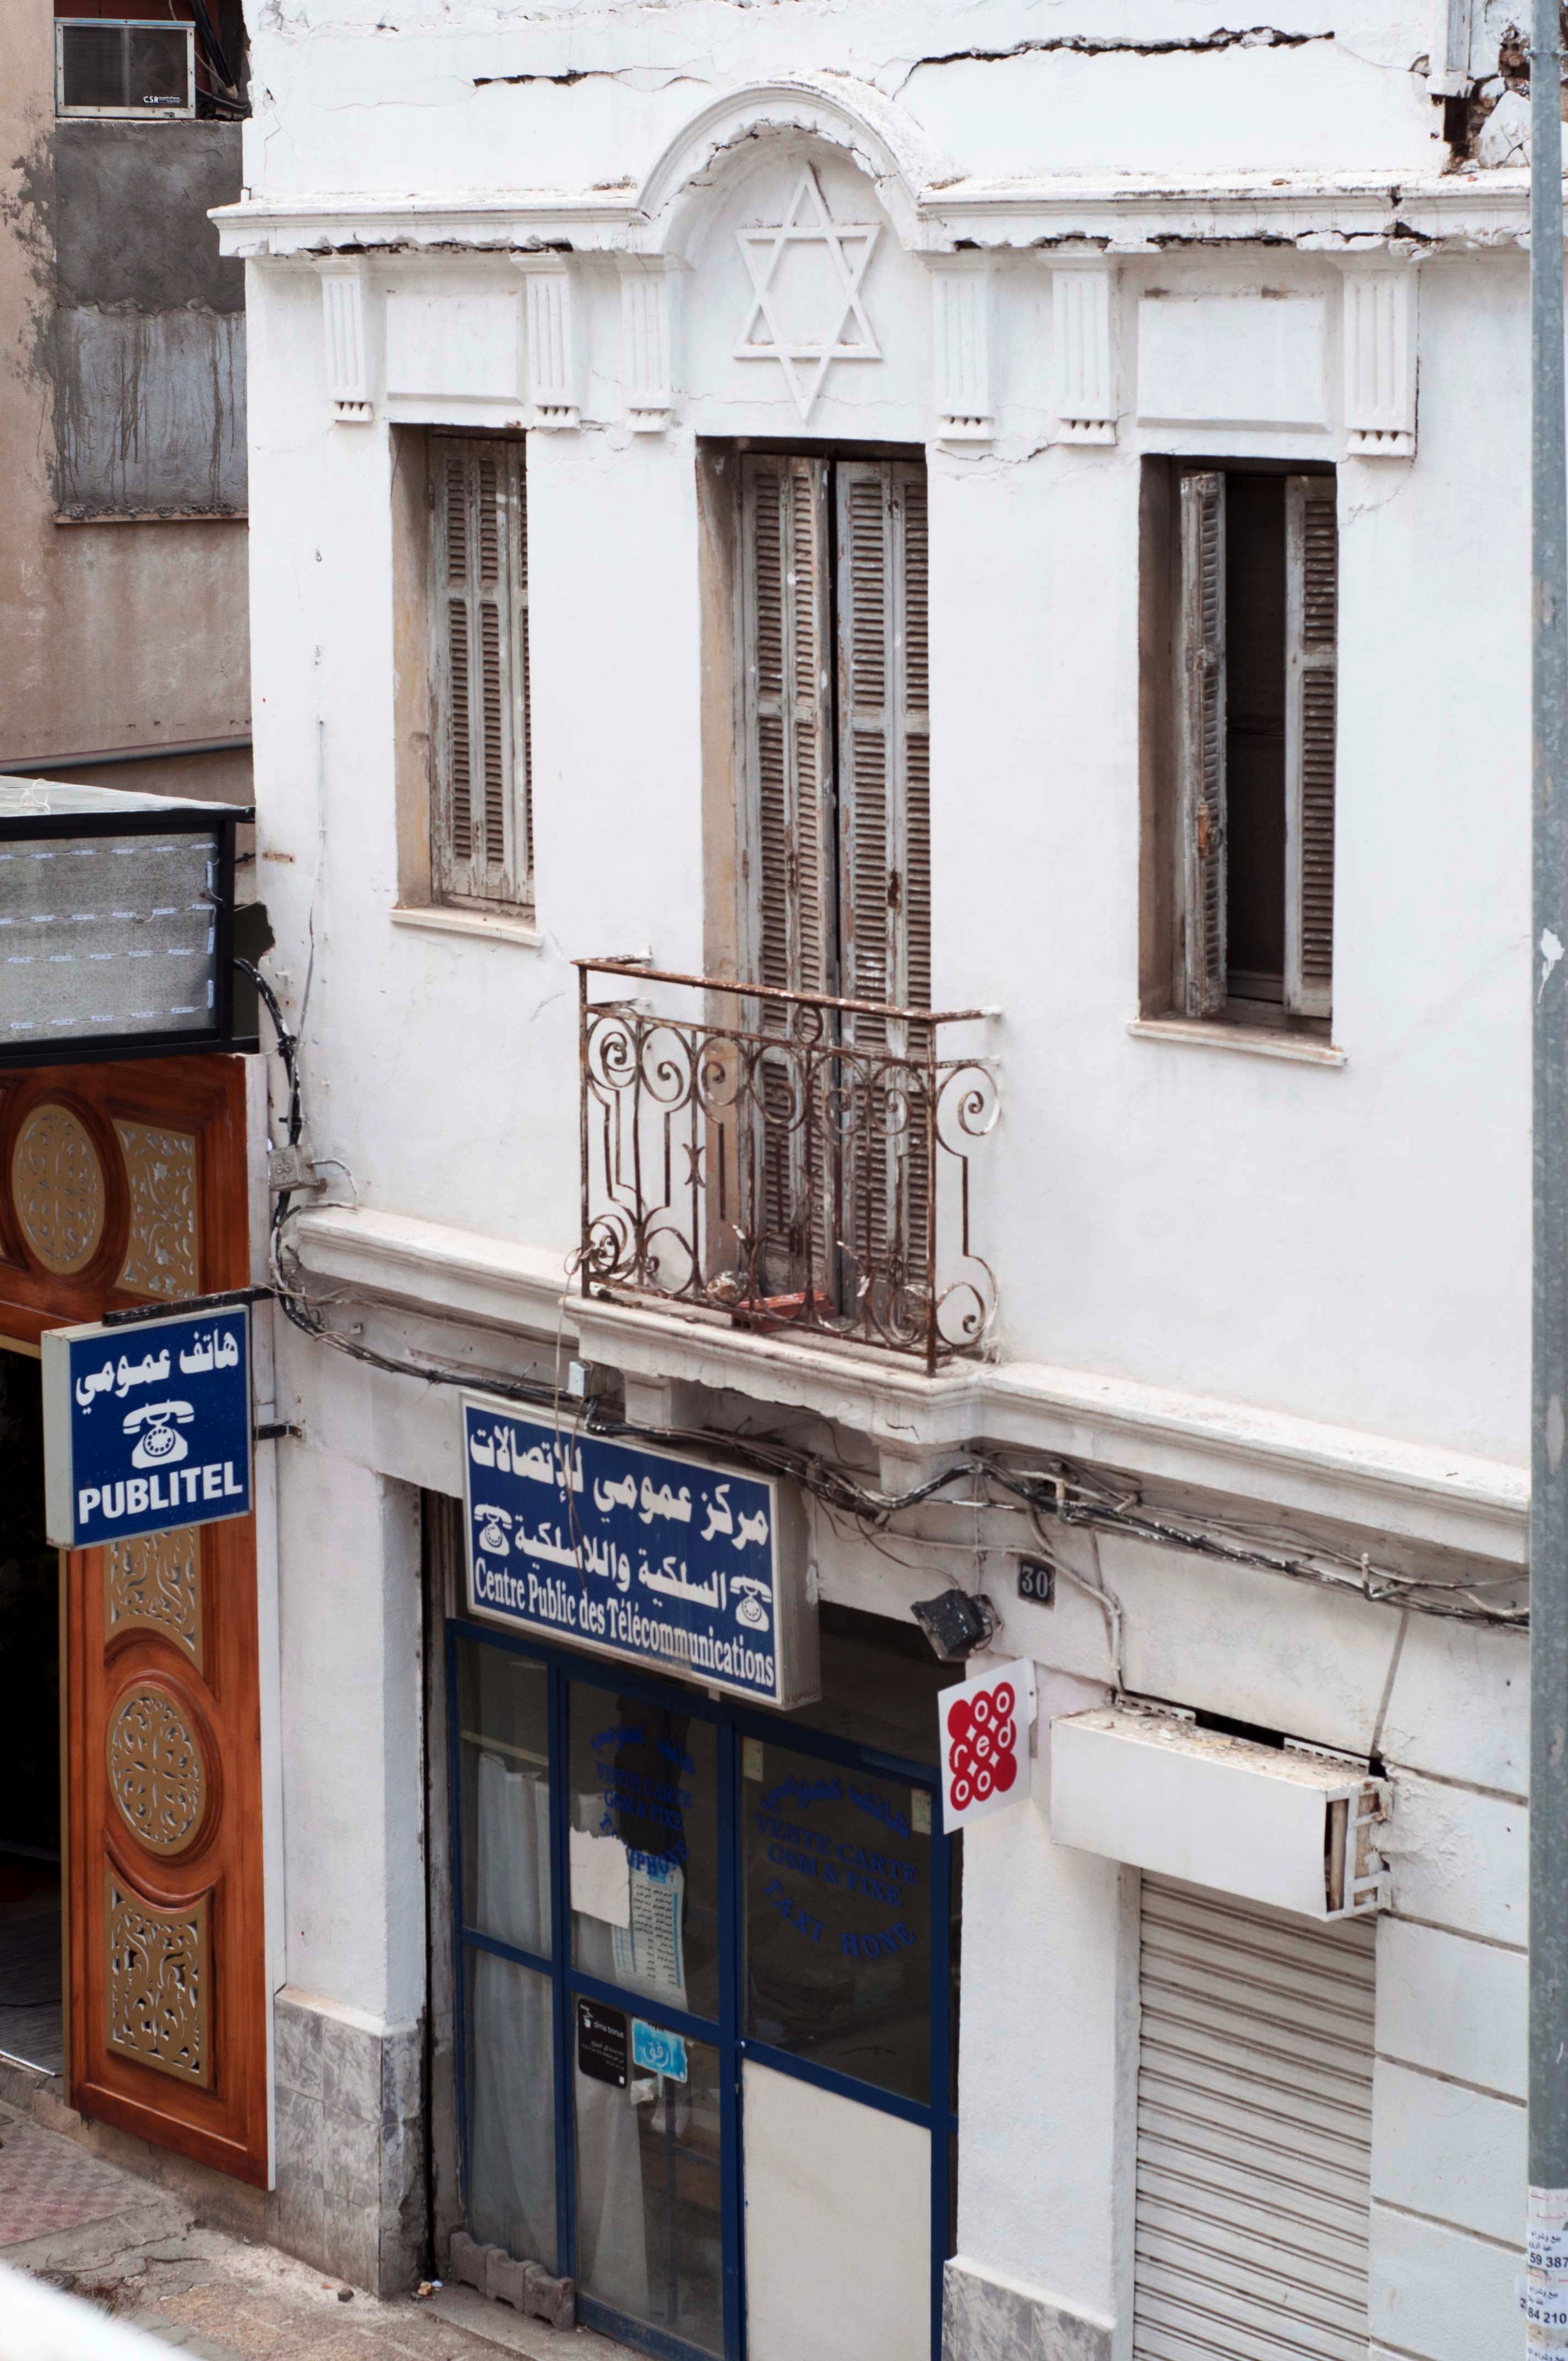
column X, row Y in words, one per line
column 877, row 136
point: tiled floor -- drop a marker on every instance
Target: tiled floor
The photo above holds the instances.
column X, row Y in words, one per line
column 48, row 2183
column 144, row 2253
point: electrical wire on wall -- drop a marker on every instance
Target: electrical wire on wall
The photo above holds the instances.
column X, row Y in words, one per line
column 1052, row 1494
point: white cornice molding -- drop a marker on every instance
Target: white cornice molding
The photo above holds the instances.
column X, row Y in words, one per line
column 1134, row 213
column 1121, row 214
column 1378, row 1484
column 461, row 1274
column 881, row 137
column 499, row 221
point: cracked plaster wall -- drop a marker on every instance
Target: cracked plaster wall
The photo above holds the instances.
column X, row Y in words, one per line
column 480, row 95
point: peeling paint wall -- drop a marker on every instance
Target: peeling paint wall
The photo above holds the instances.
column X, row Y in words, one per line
column 148, row 345
column 121, row 394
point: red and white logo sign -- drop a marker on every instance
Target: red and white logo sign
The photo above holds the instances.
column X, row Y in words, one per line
column 985, row 1726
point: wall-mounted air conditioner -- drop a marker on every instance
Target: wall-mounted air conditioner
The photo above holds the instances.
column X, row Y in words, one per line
column 130, row 68
column 1288, row 1827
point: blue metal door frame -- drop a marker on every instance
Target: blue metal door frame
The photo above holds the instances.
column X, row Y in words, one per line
column 733, row 1721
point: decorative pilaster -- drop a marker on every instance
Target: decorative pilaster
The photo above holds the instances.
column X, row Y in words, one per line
column 347, row 350
column 552, row 344
column 1380, row 362
column 647, row 373
column 960, row 344
column 1083, row 337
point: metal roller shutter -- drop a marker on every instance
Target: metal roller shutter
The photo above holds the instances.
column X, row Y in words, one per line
column 1255, row 2132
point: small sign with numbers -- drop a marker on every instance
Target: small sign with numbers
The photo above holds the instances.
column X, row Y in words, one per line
column 985, row 1726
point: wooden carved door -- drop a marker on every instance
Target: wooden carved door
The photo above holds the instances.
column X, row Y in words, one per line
column 119, row 1185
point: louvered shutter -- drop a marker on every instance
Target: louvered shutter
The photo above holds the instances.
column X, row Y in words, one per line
column 481, row 824
column 1311, row 636
column 1255, row 2132
column 885, row 860
column 1202, row 741
column 787, row 849
column 788, row 719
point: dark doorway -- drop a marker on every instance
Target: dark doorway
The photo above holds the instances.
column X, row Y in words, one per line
column 31, row 2014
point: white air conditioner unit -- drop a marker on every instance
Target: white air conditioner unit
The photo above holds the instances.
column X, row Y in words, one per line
column 130, row 68
column 1282, row 1826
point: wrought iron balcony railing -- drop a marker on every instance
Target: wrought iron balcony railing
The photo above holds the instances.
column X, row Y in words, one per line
column 783, row 1159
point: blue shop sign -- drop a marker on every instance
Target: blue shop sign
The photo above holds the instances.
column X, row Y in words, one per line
column 146, row 1425
column 657, row 2051
column 693, row 1569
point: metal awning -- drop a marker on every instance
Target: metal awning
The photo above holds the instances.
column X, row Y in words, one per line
column 117, row 924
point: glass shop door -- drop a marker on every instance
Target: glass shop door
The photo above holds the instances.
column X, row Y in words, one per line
column 704, row 2011
column 843, row 2046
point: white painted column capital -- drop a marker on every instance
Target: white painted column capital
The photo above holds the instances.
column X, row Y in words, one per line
column 962, row 395
column 1083, row 338
column 348, row 357
column 647, row 342
column 554, row 339
column 1378, row 334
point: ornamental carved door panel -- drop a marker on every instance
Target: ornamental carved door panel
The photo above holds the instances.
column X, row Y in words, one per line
column 120, row 1185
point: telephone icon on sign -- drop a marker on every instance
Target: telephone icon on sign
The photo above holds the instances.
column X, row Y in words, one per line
column 751, row 1612
column 159, row 1446
column 491, row 1536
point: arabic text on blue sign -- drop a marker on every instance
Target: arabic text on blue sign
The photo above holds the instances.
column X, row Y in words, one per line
column 157, row 1417
column 631, row 1549
column 658, row 2052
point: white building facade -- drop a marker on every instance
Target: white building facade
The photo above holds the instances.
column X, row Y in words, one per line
column 844, row 516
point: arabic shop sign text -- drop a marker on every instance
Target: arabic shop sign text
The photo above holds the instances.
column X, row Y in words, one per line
column 147, row 1426
column 632, row 1550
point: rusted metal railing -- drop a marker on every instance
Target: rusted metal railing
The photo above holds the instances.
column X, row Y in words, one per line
column 786, row 1159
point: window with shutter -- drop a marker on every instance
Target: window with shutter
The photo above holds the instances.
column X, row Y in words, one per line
column 836, row 846
column 1203, row 748
column 789, row 728
column 1312, row 625
column 789, row 750
column 884, row 846
column 1245, row 928
column 482, row 848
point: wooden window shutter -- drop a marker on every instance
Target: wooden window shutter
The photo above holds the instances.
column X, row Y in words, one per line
column 481, row 822
column 786, row 838
column 884, row 790
column 1311, row 637
column 1203, row 741
column 885, row 860
column 789, row 730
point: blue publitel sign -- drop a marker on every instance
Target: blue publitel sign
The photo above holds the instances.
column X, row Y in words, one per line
column 673, row 1561
column 146, row 1425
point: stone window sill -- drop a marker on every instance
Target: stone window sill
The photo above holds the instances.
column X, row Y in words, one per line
column 1251, row 1041
column 478, row 924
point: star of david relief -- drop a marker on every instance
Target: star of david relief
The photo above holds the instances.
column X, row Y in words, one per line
column 844, row 333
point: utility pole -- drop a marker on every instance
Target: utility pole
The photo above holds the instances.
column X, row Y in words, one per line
column 1547, row 2280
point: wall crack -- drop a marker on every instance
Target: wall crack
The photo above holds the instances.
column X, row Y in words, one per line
column 1094, row 45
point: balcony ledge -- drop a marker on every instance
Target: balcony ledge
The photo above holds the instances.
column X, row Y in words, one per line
column 1377, row 1483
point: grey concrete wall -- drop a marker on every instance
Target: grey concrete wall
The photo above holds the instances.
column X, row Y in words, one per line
column 350, row 2144
column 130, row 214
column 149, row 412
column 146, row 344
